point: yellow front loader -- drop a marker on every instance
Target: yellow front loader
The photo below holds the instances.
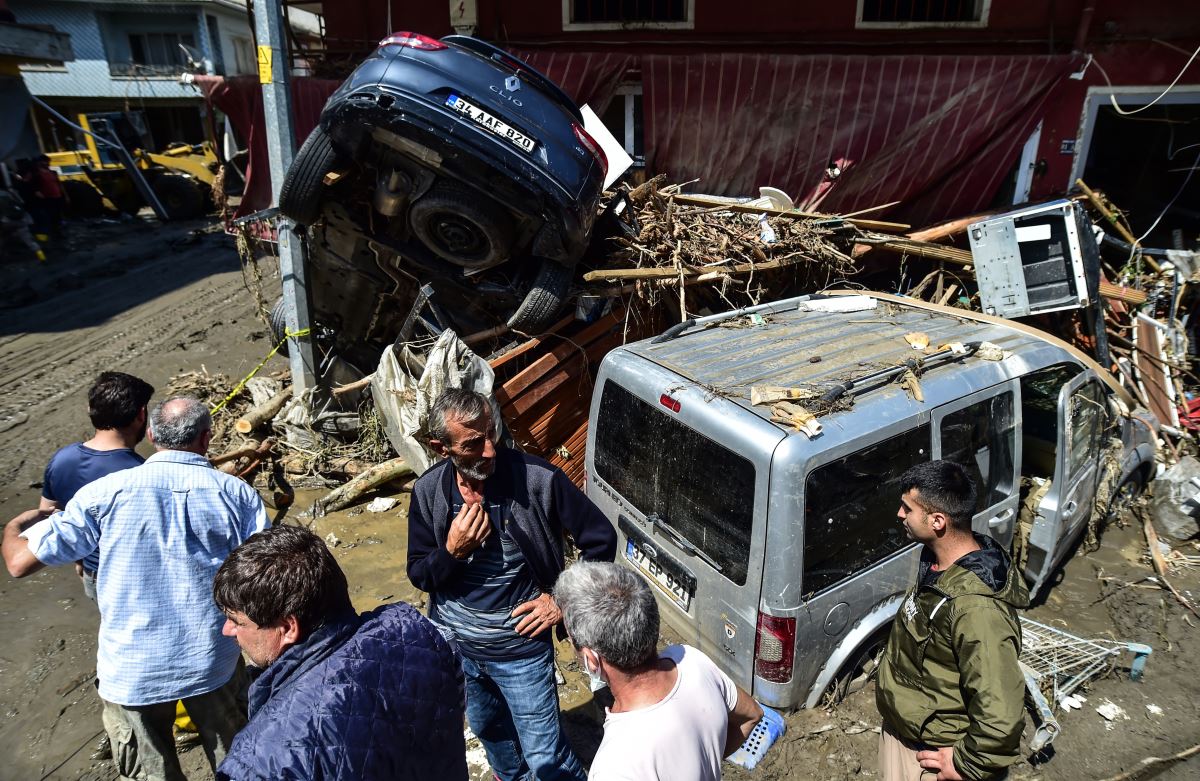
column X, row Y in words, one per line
column 97, row 176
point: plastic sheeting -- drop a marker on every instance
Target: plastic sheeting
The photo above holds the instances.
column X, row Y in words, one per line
column 403, row 399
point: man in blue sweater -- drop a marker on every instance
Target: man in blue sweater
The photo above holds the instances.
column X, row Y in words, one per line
column 485, row 540
column 341, row 697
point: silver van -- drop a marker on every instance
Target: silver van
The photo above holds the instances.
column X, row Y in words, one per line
column 779, row 554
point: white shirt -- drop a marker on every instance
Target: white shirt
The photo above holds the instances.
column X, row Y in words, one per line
column 680, row 737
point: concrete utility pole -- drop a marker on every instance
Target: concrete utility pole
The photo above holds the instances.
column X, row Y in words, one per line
column 281, row 146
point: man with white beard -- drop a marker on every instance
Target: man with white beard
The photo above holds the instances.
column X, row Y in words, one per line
column 485, row 540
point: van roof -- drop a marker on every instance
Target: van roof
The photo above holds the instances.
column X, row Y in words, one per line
column 821, row 349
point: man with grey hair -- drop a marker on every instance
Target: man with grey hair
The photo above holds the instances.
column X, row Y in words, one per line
column 674, row 714
column 162, row 530
column 485, row 540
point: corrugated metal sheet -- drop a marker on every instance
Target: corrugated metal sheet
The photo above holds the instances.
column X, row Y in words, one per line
column 938, row 133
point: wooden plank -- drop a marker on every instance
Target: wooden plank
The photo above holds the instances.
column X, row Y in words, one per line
column 741, row 208
column 532, row 373
column 529, row 344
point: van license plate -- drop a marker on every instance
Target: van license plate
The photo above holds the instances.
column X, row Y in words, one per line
column 678, row 591
column 497, row 126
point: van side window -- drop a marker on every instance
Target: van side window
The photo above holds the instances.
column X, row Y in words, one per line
column 851, row 503
column 700, row 488
column 981, row 437
column 1088, row 415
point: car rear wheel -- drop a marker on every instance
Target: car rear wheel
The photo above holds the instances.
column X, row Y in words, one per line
column 545, row 298
column 304, row 184
column 462, row 227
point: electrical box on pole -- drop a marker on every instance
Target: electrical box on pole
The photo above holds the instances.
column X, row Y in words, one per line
column 275, row 77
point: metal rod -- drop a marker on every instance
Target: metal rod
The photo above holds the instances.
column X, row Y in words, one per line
column 275, row 78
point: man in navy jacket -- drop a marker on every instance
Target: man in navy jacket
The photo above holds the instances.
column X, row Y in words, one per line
column 485, row 540
column 376, row 697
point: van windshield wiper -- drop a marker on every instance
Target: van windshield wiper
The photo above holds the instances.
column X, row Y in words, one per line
column 682, row 542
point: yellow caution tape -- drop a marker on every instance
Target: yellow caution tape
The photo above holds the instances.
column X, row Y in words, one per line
column 238, row 388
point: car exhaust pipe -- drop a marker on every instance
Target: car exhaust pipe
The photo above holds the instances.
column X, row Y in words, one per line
column 391, row 193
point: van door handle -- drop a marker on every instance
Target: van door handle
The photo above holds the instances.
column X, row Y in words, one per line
column 1069, row 508
column 1001, row 518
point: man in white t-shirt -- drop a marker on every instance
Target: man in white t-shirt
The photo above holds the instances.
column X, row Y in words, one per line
column 674, row 714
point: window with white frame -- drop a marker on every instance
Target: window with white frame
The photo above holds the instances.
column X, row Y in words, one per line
column 244, row 60
column 923, row 13
column 624, row 119
column 154, row 54
column 628, row 14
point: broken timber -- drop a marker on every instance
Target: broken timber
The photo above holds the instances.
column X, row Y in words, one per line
column 699, row 200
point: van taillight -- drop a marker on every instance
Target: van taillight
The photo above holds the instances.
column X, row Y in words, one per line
column 669, row 403
column 592, row 146
column 413, row 41
column 774, row 648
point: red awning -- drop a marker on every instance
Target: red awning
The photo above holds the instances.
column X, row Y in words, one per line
column 240, row 98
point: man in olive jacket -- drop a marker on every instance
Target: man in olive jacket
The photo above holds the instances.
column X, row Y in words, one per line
column 950, row 689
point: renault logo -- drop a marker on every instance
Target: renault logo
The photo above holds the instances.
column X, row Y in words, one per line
column 512, row 83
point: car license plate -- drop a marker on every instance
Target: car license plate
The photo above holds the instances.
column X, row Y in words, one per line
column 497, row 126
column 674, row 588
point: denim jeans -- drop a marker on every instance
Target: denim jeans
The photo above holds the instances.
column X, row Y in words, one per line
column 512, row 706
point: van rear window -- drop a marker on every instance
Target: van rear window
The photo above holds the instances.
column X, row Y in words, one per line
column 700, row 488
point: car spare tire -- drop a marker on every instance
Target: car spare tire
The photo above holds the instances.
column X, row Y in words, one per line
column 462, row 226
column 304, row 184
column 544, row 299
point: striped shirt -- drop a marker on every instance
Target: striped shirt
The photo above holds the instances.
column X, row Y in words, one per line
column 162, row 530
column 476, row 610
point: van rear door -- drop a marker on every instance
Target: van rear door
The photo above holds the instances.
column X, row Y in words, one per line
column 683, row 475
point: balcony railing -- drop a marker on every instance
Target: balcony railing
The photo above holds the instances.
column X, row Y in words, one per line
column 137, row 70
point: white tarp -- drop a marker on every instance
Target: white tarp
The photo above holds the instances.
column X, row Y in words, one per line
column 403, row 400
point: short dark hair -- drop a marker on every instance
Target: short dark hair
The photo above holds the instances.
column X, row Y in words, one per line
column 945, row 487
column 280, row 572
column 116, row 398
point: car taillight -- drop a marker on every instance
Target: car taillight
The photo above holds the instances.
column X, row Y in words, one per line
column 413, row 41
column 590, row 145
column 774, row 648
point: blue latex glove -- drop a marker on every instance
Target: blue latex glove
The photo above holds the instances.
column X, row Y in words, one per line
column 762, row 737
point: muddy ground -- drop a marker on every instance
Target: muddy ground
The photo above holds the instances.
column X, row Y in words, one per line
column 160, row 300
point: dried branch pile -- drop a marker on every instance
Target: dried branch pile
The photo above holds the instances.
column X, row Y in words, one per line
column 741, row 256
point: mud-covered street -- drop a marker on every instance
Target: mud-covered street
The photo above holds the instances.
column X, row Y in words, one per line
column 158, row 301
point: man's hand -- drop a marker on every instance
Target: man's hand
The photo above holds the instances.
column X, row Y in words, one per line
column 940, row 761
column 468, row 530
column 540, row 614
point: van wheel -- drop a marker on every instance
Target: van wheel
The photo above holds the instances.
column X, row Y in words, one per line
column 304, row 183
column 860, row 670
column 1124, row 497
column 545, row 298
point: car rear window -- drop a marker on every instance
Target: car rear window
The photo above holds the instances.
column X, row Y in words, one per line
column 700, row 488
column 851, row 509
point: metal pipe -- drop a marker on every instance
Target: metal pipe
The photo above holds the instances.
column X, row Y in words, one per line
column 692, row 322
column 273, row 74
